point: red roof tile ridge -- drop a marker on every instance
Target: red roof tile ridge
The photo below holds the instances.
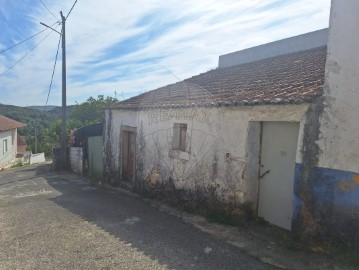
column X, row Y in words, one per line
column 9, row 124
column 274, row 80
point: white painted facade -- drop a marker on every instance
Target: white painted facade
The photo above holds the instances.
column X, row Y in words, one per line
column 222, row 150
column 6, row 156
column 117, row 120
column 222, row 156
column 339, row 142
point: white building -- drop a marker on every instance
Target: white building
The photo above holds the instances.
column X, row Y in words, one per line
column 8, row 139
column 271, row 133
column 209, row 138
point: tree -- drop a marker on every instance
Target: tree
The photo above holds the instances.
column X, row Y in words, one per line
column 89, row 112
column 50, row 137
column 92, row 110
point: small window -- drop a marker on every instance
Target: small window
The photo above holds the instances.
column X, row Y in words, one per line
column 5, row 146
column 179, row 137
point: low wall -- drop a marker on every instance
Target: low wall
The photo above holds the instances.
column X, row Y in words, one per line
column 76, row 159
column 26, row 157
column 37, row 158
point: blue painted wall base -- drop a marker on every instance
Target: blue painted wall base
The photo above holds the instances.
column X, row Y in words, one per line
column 326, row 203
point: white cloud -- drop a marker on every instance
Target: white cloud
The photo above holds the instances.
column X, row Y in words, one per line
column 210, row 28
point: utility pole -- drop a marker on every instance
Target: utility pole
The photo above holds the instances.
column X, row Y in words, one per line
column 35, row 140
column 63, row 127
column 63, row 141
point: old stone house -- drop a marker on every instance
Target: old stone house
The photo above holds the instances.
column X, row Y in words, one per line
column 269, row 133
column 213, row 137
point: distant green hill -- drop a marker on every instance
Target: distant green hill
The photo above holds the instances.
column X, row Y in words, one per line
column 42, row 108
column 32, row 118
column 57, row 112
column 47, row 123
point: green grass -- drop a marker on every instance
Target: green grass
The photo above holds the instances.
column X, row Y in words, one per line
column 18, row 163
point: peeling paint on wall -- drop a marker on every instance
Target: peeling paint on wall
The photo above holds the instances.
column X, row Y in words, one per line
column 218, row 175
column 356, row 178
column 331, row 206
column 326, row 183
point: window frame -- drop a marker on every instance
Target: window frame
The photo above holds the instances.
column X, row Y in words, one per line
column 5, row 146
column 179, row 137
column 13, row 137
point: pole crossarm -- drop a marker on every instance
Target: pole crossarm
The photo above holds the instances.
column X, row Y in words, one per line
column 50, row 27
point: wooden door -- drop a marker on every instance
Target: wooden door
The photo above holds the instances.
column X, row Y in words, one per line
column 128, row 155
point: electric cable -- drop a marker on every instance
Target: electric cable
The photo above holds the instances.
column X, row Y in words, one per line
column 53, row 72
column 48, row 10
column 13, row 46
column 71, row 9
column 33, row 48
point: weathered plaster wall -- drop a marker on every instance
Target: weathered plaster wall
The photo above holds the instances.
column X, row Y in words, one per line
column 11, row 138
column 327, row 183
column 220, row 165
column 76, row 159
column 340, row 121
column 112, row 140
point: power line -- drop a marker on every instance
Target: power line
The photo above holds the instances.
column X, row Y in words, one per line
column 48, row 10
column 53, row 72
column 169, row 71
column 25, row 55
column 71, row 9
column 13, row 46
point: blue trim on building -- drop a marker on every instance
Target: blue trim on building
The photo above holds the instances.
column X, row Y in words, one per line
column 332, row 197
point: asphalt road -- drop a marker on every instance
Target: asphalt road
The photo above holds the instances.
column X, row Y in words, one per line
column 56, row 221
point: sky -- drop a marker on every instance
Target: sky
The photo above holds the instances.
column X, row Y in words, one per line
column 123, row 48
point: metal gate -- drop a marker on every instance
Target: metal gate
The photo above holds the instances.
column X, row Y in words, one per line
column 95, row 157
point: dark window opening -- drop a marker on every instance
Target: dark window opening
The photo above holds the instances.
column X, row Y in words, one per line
column 179, row 137
column 5, row 149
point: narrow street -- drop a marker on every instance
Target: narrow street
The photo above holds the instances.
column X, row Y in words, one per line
column 57, row 221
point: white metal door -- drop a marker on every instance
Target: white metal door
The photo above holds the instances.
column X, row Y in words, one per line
column 278, row 152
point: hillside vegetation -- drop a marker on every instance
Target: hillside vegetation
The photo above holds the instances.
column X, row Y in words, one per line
column 34, row 119
column 48, row 123
column 43, row 108
column 28, row 116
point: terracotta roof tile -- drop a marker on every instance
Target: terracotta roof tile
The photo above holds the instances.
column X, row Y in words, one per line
column 9, row 124
column 21, row 141
column 293, row 78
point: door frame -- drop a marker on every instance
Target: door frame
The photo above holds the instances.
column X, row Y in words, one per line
column 299, row 138
column 125, row 128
